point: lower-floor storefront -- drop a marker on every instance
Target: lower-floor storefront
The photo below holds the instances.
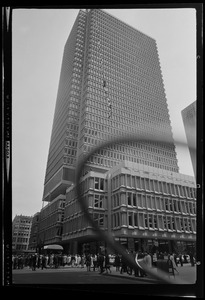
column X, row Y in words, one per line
column 153, row 246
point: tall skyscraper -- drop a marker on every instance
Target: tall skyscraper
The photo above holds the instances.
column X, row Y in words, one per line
column 110, row 85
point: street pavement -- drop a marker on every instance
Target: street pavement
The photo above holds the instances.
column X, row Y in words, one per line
column 66, row 275
column 186, row 274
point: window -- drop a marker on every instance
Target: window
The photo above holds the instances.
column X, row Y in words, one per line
column 147, row 184
column 173, row 223
column 134, row 199
column 99, row 183
column 98, row 219
column 135, row 219
column 122, row 179
column 129, row 198
column 150, row 220
column 165, row 222
column 166, row 204
column 189, row 225
column 130, row 223
column 160, row 222
column 133, row 182
column 145, row 221
column 175, row 205
column 181, row 224
column 138, row 182
column 149, row 206
column 98, row 201
column 129, row 180
column 158, row 206
column 116, row 220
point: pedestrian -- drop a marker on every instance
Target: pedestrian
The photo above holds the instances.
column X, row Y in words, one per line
column 192, row 259
column 68, row 260
column 91, row 261
column 46, row 261
column 180, row 259
column 117, row 262
column 72, row 261
column 88, row 261
column 82, row 260
column 64, row 260
column 107, row 263
column 78, row 260
column 147, row 260
column 123, row 265
column 101, row 262
column 94, row 262
column 34, row 262
column 43, row 262
column 175, row 259
column 51, row 260
column 171, row 257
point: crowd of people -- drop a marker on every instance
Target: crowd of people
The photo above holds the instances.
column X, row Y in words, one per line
column 101, row 262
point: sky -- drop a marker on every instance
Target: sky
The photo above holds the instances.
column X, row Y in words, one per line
column 38, row 39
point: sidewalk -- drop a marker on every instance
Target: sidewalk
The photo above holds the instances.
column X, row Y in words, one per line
column 187, row 273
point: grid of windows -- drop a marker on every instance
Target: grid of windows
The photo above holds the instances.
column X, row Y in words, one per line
column 64, row 138
column 130, row 68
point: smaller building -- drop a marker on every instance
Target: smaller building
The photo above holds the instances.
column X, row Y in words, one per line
column 51, row 222
column 189, row 119
column 21, row 230
column 34, row 232
column 143, row 208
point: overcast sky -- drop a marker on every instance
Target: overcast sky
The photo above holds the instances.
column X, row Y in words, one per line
column 39, row 36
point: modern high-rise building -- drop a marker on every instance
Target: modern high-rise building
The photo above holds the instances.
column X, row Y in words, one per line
column 189, row 119
column 111, row 86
